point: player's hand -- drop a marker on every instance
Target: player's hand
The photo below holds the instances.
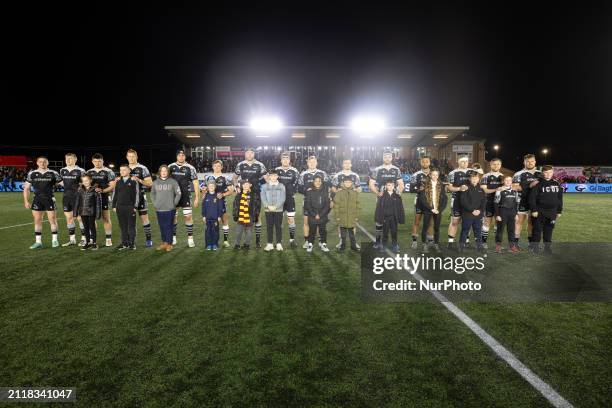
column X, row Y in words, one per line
column 98, row 190
column 317, row 217
column 435, row 211
column 115, row 209
column 380, row 193
column 499, row 189
column 515, row 218
column 219, row 195
column 533, row 184
column 196, row 202
column 476, row 213
column 27, row 204
column 498, row 218
column 117, row 178
column 558, row 215
column 534, row 214
column 463, row 188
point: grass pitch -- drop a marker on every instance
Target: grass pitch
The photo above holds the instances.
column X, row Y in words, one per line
column 199, row 328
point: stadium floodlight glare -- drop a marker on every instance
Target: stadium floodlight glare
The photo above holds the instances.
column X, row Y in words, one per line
column 496, row 147
column 266, row 124
column 368, row 124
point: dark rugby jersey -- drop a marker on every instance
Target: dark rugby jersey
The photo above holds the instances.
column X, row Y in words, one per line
column 417, row 179
column 140, row 171
column 184, row 174
column 221, row 182
column 492, row 181
column 382, row 174
column 307, row 177
column 339, row 178
column 71, row 178
column 458, row 178
column 507, row 199
column 101, row 177
column 289, row 178
column 253, row 172
column 43, row 181
column 524, row 178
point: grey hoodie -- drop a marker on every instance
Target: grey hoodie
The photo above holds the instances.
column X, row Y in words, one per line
column 165, row 194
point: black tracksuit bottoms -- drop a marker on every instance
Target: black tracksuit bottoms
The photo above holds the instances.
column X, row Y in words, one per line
column 126, row 215
column 507, row 221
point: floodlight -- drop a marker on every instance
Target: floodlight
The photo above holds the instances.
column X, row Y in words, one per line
column 368, row 124
column 266, row 124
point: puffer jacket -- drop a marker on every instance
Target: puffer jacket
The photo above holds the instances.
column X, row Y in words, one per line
column 254, row 206
column 346, row 207
column 88, row 202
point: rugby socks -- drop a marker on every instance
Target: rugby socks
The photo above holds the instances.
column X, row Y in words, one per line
column 485, row 233
column 54, row 234
column 291, row 232
column 258, row 233
column 414, row 238
column 72, row 231
column 189, row 228
column 38, row 236
column 225, row 233
column 451, row 238
column 147, row 231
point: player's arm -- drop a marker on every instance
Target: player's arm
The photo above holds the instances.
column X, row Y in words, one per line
column 26, row 194
column 196, row 188
column 147, row 181
column 372, row 186
column 111, row 187
column 357, row 185
column 400, row 185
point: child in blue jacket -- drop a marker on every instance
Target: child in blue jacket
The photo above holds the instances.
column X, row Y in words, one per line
column 212, row 210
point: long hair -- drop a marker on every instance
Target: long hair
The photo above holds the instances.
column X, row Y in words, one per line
column 428, row 188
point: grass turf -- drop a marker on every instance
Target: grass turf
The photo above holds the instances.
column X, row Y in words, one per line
column 197, row 328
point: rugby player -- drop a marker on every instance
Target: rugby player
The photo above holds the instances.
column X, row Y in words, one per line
column 380, row 176
column 288, row 176
column 43, row 180
column 336, row 184
column 142, row 176
column 103, row 179
column 522, row 182
column 71, row 177
column 491, row 183
column 254, row 171
column 305, row 183
column 458, row 181
column 223, row 188
column 417, row 180
column 187, row 177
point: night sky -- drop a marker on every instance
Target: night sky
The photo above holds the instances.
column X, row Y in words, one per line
column 523, row 78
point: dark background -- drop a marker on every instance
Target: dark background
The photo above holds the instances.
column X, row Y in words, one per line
column 521, row 77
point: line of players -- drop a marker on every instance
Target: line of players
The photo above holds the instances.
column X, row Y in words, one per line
column 43, row 180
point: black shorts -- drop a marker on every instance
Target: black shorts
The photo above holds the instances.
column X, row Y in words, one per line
column 417, row 208
column 289, row 205
column 185, row 201
column 142, row 204
column 43, row 203
column 104, row 201
column 68, row 201
column 490, row 208
column 455, row 207
column 523, row 206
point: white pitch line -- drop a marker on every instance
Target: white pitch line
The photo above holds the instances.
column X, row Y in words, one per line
column 532, row 378
column 23, row 225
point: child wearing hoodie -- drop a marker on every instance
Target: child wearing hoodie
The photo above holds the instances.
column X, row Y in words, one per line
column 389, row 213
column 317, row 206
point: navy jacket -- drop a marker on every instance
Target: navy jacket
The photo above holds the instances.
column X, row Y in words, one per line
column 212, row 207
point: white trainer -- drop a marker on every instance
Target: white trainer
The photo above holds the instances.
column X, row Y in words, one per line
column 305, row 246
column 309, row 247
column 174, row 240
column 109, row 243
column 190, row 243
column 324, row 247
column 279, row 247
column 269, row 247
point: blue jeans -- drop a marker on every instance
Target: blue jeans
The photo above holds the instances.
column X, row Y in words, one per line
column 471, row 223
column 211, row 235
column 165, row 219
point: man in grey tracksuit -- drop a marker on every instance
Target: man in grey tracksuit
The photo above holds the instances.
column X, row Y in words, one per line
column 273, row 196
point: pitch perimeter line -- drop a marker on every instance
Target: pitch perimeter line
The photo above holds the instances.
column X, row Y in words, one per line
column 23, row 225
column 532, row 378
